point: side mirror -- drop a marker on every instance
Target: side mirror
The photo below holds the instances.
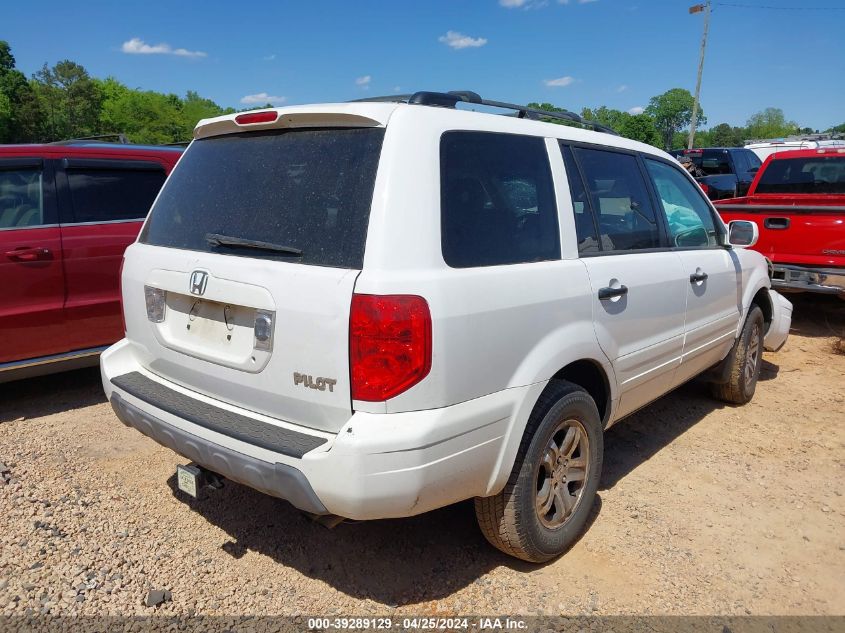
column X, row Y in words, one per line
column 742, row 233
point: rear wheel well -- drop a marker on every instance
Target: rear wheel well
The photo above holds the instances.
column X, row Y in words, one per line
column 589, row 375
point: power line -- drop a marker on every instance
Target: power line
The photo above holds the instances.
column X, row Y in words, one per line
column 770, row 7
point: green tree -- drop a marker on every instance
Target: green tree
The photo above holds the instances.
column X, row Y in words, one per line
column 143, row 116
column 20, row 115
column 672, row 112
column 606, row 116
column 770, row 123
column 70, row 99
column 639, row 127
column 724, row 135
column 195, row 108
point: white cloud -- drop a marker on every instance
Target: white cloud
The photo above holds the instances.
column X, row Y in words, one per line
column 458, row 40
column 397, row 88
column 137, row 46
column 636, row 110
column 269, row 58
column 579, row 1
column 261, row 98
column 622, row 88
column 560, row 82
column 523, row 4
column 363, row 81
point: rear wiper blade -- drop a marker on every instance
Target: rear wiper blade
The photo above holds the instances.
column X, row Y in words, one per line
column 215, row 239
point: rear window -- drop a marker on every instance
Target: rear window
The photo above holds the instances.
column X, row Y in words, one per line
column 819, row 174
column 712, row 162
column 306, row 190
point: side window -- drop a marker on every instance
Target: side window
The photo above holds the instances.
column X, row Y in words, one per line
column 497, row 202
column 103, row 195
column 585, row 227
column 620, row 200
column 753, row 159
column 689, row 217
column 21, row 198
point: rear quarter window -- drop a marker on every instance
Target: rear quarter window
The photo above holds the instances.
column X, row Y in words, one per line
column 497, row 202
column 310, row 190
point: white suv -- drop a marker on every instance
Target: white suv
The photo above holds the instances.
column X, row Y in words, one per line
column 377, row 309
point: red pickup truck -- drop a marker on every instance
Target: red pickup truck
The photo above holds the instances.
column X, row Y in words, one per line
column 797, row 201
column 67, row 213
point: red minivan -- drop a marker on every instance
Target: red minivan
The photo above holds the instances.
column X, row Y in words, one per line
column 67, row 213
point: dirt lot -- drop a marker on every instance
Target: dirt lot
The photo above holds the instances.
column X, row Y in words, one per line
column 703, row 509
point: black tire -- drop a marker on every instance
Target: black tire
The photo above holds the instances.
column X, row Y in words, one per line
column 745, row 359
column 510, row 520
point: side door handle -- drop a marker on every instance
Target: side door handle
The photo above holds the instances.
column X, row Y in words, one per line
column 777, row 224
column 697, row 277
column 610, row 293
column 29, row 254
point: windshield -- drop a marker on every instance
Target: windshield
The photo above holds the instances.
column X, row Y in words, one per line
column 817, row 174
column 306, row 190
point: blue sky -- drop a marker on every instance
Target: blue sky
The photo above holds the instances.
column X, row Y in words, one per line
column 573, row 53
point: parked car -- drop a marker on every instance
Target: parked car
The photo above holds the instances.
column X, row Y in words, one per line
column 764, row 149
column 67, row 212
column 727, row 172
column 798, row 202
column 377, row 309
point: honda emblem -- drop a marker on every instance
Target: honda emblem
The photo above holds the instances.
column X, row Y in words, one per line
column 199, row 280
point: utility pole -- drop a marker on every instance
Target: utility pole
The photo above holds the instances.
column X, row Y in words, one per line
column 698, row 8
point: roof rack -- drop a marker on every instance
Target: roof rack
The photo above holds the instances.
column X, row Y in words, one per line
column 451, row 99
column 120, row 138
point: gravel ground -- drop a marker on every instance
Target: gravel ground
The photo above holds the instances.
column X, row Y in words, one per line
column 703, row 509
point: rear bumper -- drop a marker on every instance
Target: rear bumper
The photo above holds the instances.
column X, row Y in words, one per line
column 377, row 466
column 778, row 331
column 788, row 277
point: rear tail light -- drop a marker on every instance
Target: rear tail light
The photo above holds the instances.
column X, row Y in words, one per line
column 704, row 188
column 155, row 299
column 389, row 345
column 268, row 116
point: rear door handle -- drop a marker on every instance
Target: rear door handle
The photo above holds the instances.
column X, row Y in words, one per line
column 776, row 223
column 696, row 277
column 610, row 293
column 29, row 254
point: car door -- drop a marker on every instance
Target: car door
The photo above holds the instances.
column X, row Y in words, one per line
column 713, row 273
column 638, row 290
column 32, row 286
column 103, row 204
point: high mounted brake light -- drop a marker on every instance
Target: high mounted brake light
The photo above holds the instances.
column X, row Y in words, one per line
column 268, row 116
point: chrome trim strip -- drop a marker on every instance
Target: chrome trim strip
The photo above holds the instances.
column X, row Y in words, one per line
column 29, row 228
column 103, row 222
column 63, row 224
column 56, row 358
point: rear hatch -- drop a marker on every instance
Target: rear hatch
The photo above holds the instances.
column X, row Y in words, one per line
column 241, row 281
column 799, row 207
